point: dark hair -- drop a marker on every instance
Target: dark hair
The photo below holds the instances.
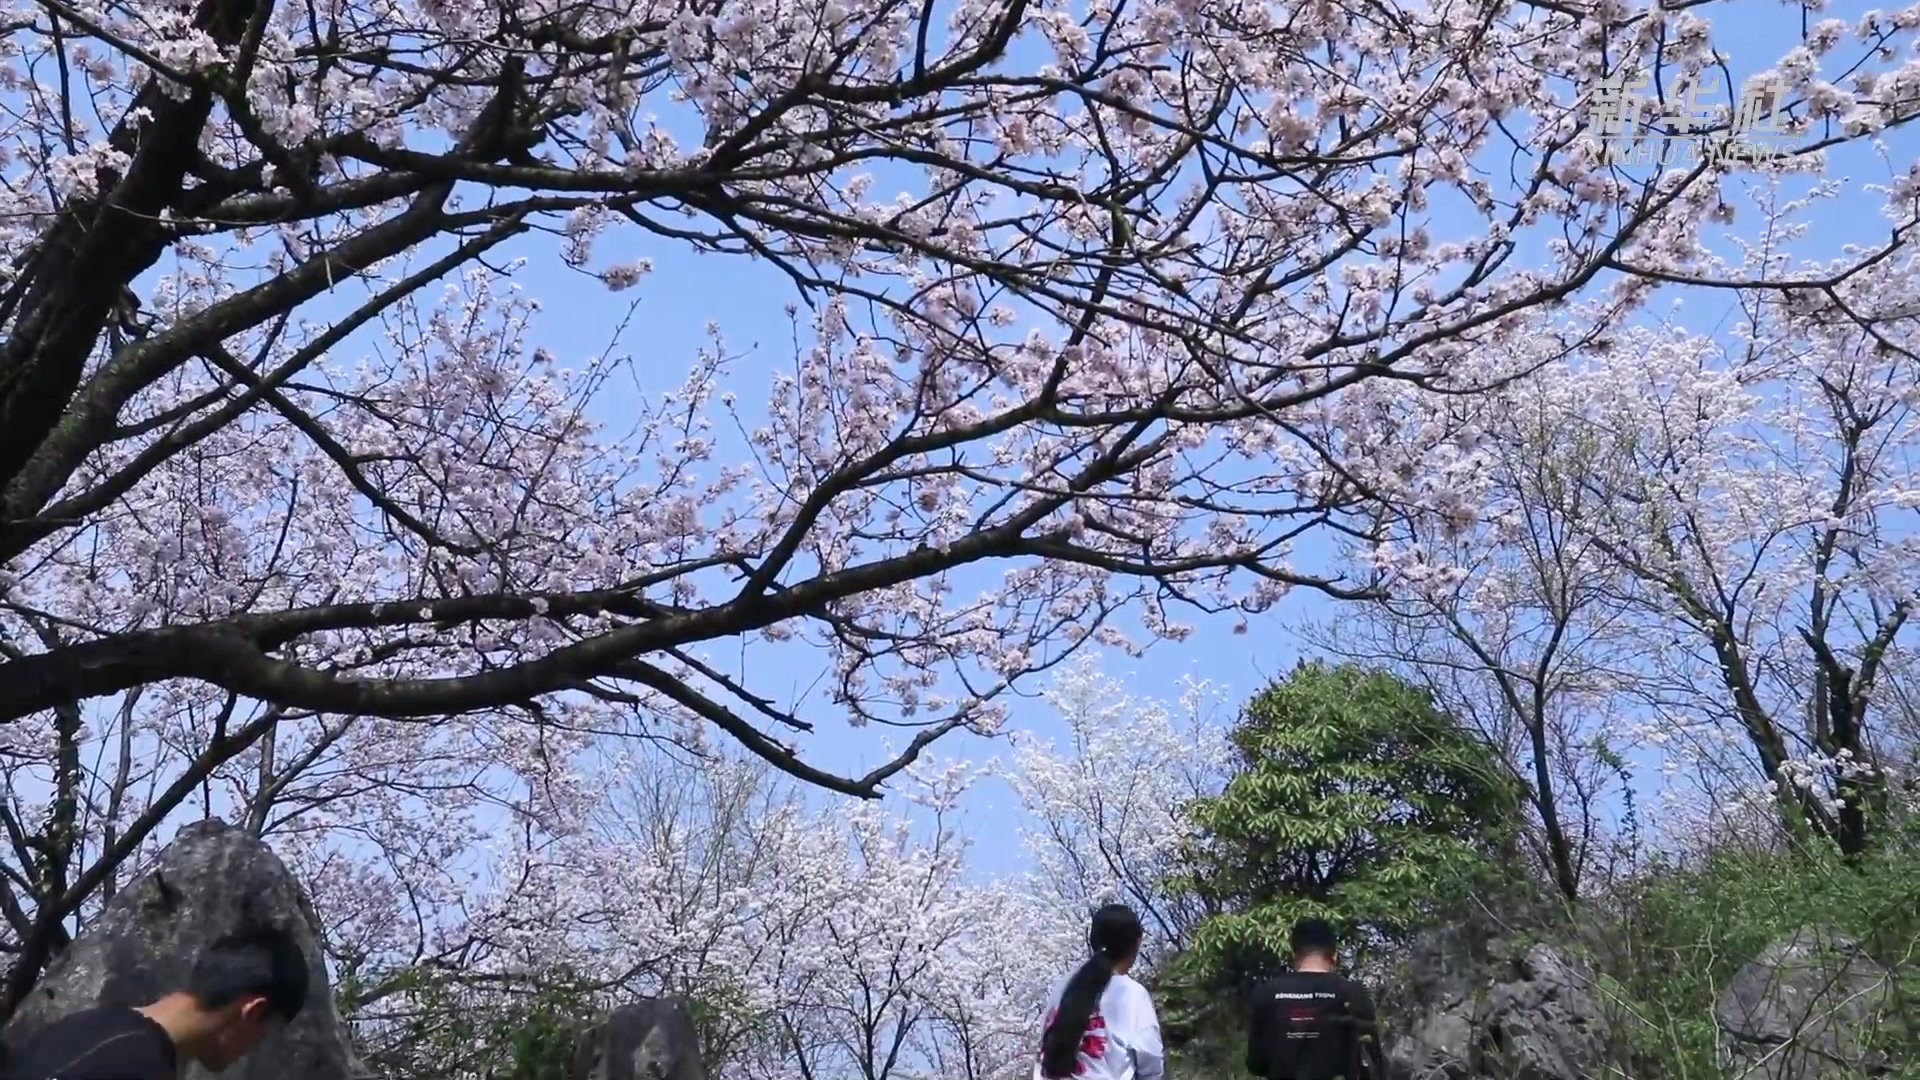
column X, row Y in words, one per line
column 261, row 962
column 1313, row 937
column 1113, row 938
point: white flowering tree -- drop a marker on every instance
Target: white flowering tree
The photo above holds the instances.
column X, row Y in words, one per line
column 1696, row 549
column 1108, row 807
column 1107, row 306
column 836, row 942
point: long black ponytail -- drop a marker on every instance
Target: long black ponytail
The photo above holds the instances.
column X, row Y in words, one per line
column 1113, row 938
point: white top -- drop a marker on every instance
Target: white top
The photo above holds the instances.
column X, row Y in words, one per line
column 1123, row 1037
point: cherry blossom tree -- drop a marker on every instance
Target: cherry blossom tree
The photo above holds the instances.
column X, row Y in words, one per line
column 1699, row 545
column 908, row 966
column 827, row 941
column 298, row 523
column 1523, row 638
column 1233, row 237
column 652, row 892
column 1109, row 808
column 985, row 1011
column 1772, row 531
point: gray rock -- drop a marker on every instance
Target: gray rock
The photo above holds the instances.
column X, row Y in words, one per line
column 1804, row 1008
column 1546, row 1024
column 1434, row 1046
column 1434, row 1037
column 1531, row 1016
column 211, row 880
column 647, row 1040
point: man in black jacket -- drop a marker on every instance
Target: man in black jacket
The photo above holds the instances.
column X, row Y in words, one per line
column 241, row 986
column 1310, row 1023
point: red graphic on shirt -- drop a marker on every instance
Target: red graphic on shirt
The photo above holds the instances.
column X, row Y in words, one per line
column 1307, row 1021
column 1092, row 1045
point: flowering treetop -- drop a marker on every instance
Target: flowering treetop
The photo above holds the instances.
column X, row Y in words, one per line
column 1697, row 543
column 1122, row 338
column 291, row 496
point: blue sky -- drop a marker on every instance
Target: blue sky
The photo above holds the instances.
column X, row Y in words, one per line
column 686, row 290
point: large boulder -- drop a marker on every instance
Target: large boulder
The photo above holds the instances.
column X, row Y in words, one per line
column 1508, row 1012
column 1807, row 1007
column 648, row 1040
column 1431, row 1034
column 212, row 880
column 1545, row 1022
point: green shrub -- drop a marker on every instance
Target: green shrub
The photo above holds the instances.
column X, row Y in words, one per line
column 1677, row 935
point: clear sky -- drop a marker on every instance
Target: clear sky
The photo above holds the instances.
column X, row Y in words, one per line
column 686, row 290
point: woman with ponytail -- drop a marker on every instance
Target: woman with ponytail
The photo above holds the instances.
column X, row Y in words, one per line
column 1100, row 1023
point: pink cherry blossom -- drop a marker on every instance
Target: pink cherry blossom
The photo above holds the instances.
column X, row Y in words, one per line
column 1107, row 309
column 1688, row 556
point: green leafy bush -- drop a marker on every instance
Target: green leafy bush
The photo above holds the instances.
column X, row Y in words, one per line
column 1352, row 798
column 1677, row 935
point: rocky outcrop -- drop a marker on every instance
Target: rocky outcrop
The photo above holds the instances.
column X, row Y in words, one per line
column 1807, row 1007
column 1810, row 1007
column 1502, row 1011
column 1544, row 1021
column 1431, row 1034
column 212, row 880
column 647, row 1040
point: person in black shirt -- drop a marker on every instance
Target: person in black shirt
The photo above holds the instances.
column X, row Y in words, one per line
column 240, row 987
column 1311, row 1024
